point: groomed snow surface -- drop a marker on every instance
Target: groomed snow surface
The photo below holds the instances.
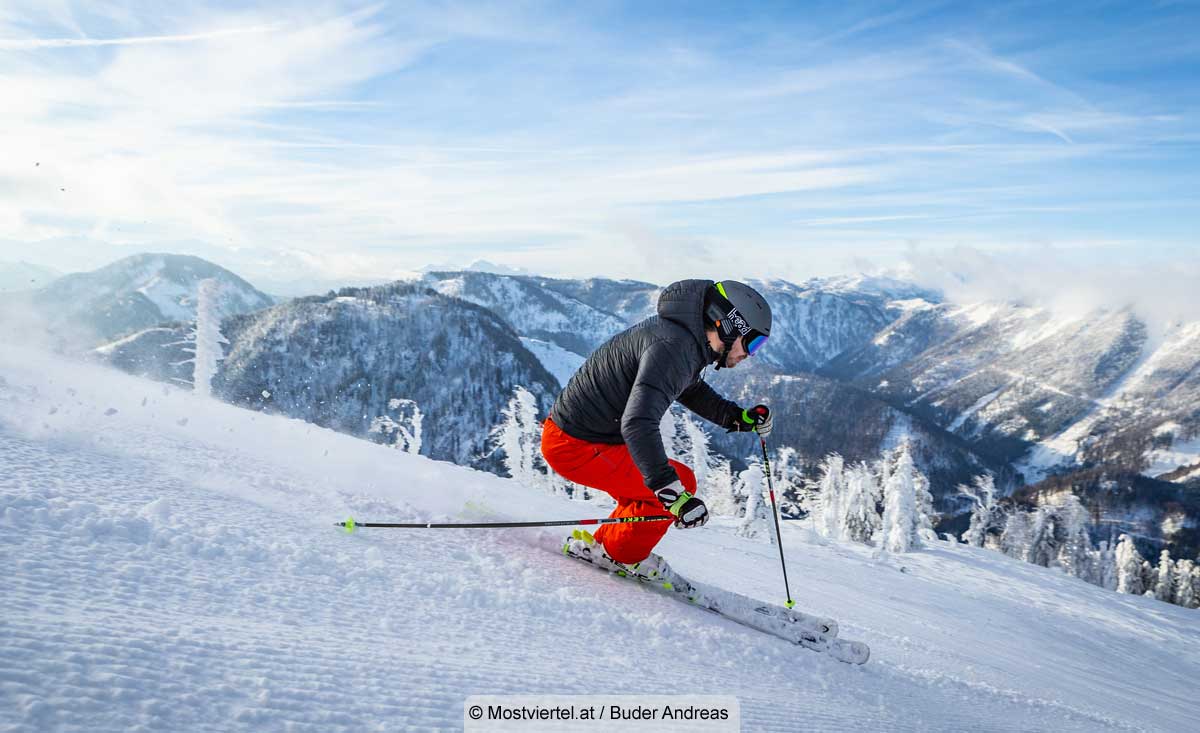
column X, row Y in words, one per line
column 171, row 564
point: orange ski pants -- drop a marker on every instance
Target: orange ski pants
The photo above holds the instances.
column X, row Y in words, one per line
column 610, row 468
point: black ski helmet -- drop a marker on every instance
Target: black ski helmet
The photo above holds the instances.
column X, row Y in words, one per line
column 736, row 310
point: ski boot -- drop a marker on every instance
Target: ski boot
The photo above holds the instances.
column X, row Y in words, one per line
column 583, row 545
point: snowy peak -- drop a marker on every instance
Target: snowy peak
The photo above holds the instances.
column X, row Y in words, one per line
column 886, row 288
column 20, row 276
column 1081, row 390
column 818, row 321
column 136, row 293
column 814, row 322
column 539, row 308
column 345, row 361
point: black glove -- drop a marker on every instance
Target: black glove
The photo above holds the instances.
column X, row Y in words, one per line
column 688, row 510
column 757, row 418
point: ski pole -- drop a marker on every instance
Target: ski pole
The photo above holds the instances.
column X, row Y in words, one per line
column 350, row 525
column 775, row 515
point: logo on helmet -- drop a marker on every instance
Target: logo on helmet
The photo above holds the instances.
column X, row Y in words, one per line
column 738, row 322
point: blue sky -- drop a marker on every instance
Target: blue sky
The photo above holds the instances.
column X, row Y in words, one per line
column 647, row 140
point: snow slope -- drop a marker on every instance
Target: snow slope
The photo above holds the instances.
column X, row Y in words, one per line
column 171, row 565
column 558, row 361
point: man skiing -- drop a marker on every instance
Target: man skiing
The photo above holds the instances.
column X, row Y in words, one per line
column 603, row 431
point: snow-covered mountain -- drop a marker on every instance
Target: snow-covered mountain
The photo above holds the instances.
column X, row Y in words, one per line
column 542, row 309
column 87, row 309
column 814, row 322
column 1098, row 398
column 340, row 360
column 171, row 564
column 857, row 363
column 1045, row 392
column 819, row 320
column 18, row 276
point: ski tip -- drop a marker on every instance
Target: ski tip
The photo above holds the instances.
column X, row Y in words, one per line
column 348, row 525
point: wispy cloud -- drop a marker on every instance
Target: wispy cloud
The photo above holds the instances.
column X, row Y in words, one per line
column 1072, row 280
column 43, row 43
column 354, row 140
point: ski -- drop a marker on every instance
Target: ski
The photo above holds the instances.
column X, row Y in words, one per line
column 810, row 632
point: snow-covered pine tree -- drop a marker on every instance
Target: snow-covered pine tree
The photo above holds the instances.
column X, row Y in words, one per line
column 1196, row 585
column 900, row 505
column 1043, row 532
column 1164, row 588
column 720, row 493
column 1186, row 584
column 1014, row 540
column 1074, row 539
column 858, row 502
column 1129, row 567
column 1104, row 561
column 1149, row 578
column 788, row 476
column 925, row 511
column 404, row 430
column 883, row 473
column 756, row 522
column 520, row 439
column 205, row 338
column 828, row 516
column 982, row 493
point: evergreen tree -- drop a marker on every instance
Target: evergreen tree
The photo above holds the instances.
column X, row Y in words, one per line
column 859, row 519
column 1187, row 583
column 520, row 437
column 982, row 493
column 788, row 476
column 404, row 430
column 1073, row 539
column 1164, row 588
column 1043, row 545
column 204, row 341
column 925, row 511
column 1149, row 578
column 757, row 520
column 1129, row 567
column 1014, row 541
column 830, row 493
column 720, row 493
column 1105, row 566
column 900, row 505
column 883, row 471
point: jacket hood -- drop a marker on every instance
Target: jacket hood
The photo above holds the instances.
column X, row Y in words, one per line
column 683, row 303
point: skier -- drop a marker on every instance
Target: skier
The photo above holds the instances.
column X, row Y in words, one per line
column 603, row 430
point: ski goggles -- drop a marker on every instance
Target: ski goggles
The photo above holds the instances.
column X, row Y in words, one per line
column 753, row 341
column 733, row 326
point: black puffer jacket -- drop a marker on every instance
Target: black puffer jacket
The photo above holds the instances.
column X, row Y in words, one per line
column 624, row 388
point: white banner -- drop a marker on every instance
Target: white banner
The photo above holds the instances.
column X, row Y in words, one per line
column 602, row 713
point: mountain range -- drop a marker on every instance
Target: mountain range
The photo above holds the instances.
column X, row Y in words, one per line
column 1103, row 403
column 18, row 276
column 88, row 309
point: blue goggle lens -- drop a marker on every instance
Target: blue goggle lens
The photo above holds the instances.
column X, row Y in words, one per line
column 755, row 344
